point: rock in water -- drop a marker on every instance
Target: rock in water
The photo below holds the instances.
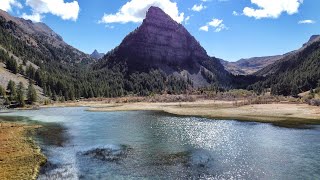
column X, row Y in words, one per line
column 109, row 153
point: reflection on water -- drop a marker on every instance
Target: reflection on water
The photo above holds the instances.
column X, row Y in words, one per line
column 151, row 145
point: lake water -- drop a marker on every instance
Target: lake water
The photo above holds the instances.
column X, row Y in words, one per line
column 153, row 145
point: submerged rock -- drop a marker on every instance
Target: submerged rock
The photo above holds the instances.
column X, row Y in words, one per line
column 110, row 153
column 200, row 158
column 172, row 159
column 194, row 159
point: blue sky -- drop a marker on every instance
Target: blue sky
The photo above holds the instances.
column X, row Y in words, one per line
column 228, row 29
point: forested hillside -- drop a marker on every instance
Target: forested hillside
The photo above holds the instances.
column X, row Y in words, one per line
column 159, row 57
column 293, row 74
column 64, row 73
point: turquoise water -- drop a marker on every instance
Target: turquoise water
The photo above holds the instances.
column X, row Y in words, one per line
column 153, row 145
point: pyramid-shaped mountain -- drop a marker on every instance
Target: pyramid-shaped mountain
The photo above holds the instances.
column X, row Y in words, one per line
column 96, row 55
column 161, row 43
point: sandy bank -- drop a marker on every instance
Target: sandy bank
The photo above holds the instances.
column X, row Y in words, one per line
column 283, row 114
column 20, row 158
column 280, row 114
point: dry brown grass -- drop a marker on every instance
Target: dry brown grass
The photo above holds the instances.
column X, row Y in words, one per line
column 20, row 158
column 235, row 105
column 285, row 113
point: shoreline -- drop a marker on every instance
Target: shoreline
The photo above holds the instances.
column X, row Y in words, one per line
column 20, row 156
column 281, row 114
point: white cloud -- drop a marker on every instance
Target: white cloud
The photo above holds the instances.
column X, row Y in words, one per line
column 235, row 13
column 204, row 28
column 272, row 8
column 65, row 10
column 198, row 8
column 186, row 20
column 217, row 24
column 135, row 11
column 7, row 5
column 307, row 21
column 36, row 17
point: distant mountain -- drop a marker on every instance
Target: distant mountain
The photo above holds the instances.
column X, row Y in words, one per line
column 256, row 64
column 162, row 44
column 40, row 37
column 273, row 68
column 34, row 51
column 96, row 55
column 298, row 71
column 250, row 65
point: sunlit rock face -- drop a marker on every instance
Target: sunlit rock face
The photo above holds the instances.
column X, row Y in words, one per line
column 162, row 42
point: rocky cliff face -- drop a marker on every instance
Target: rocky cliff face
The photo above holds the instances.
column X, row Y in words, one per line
column 162, row 43
column 161, row 39
column 312, row 39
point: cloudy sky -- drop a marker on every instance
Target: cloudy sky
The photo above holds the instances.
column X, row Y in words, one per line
column 228, row 29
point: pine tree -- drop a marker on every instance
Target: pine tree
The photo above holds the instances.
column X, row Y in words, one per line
column 12, row 90
column 12, row 65
column 32, row 94
column 30, row 72
column 2, row 92
column 21, row 70
column 294, row 91
column 20, row 95
column 54, row 96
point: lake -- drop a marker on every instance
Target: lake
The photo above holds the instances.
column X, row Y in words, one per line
column 154, row 145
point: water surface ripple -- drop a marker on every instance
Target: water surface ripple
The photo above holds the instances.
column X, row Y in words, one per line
column 153, row 145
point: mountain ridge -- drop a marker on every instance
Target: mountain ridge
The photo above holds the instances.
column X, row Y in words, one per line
column 42, row 37
column 161, row 43
column 272, row 68
column 255, row 65
column 295, row 73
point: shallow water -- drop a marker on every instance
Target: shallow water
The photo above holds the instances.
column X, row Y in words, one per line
column 153, row 145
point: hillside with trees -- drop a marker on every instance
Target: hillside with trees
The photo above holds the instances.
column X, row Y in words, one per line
column 296, row 73
column 140, row 66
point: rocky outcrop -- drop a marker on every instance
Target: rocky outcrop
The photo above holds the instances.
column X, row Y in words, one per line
column 161, row 43
column 312, row 39
column 161, row 39
column 110, row 153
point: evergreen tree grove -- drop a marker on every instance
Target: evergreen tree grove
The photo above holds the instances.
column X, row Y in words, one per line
column 32, row 94
column 20, row 95
column 12, row 90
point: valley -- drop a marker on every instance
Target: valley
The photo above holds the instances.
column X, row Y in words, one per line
column 157, row 105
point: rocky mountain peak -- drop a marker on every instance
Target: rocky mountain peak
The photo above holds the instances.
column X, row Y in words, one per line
column 312, row 39
column 96, row 54
column 157, row 16
column 162, row 43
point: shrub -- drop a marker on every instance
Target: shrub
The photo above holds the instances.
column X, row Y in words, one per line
column 314, row 102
